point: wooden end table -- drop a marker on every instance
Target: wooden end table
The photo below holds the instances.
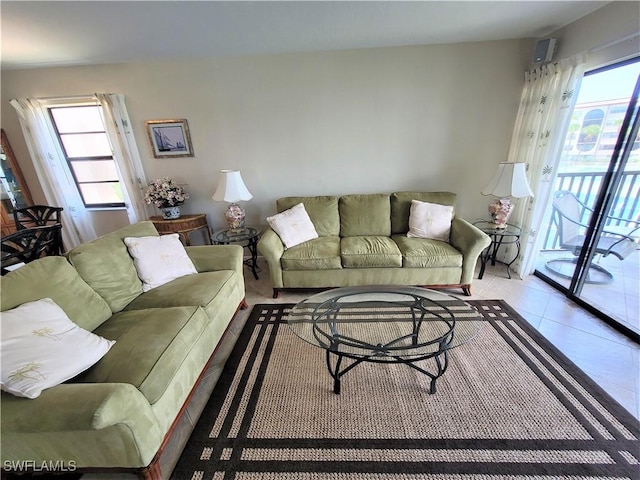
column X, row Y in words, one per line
column 184, row 226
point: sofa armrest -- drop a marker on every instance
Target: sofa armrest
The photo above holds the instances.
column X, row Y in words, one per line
column 78, row 406
column 54, row 425
column 470, row 241
column 271, row 248
column 210, row 258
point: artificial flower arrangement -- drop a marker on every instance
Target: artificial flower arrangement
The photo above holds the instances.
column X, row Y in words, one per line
column 164, row 192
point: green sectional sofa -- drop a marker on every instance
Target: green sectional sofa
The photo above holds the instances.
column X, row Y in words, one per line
column 135, row 408
column 362, row 240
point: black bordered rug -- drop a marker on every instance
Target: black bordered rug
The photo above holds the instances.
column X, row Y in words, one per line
column 510, row 406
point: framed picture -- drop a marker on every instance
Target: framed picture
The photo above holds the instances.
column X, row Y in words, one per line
column 169, row 138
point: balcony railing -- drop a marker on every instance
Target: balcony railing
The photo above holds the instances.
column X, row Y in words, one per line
column 586, row 185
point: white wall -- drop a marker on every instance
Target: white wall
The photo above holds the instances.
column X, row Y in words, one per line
column 426, row 118
column 600, row 33
column 378, row 120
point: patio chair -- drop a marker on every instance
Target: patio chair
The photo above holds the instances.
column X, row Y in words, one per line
column 27, row 245
column 571, row 216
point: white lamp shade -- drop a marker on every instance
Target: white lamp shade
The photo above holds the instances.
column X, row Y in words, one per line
column 231, row 188
column 510, row 180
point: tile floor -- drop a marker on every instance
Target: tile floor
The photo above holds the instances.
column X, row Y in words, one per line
column 620, row 298
column 608, row 357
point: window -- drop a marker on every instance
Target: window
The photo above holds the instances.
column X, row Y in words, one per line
column 591, row 127
column 86, row 148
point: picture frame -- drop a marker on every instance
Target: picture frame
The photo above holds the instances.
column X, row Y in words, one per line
column 170, row 138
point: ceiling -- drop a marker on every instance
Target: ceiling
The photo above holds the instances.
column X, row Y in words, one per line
column 53, row 33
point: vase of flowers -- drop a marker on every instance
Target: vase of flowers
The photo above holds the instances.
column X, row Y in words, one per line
column 165, row 194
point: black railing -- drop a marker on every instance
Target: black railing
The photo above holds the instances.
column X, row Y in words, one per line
column 586, row 185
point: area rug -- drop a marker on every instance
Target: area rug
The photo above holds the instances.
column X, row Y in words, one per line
column 510, row 406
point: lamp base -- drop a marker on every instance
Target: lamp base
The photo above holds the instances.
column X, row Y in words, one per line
column 500, row 210
column 235, row 217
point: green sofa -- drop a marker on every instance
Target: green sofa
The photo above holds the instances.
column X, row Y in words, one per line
column 135, row 408
column 362, row 240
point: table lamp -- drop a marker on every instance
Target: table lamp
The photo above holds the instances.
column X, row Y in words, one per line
column 510, row 180
column 232, row 189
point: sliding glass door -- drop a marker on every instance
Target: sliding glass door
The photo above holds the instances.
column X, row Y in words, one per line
column 591, row 249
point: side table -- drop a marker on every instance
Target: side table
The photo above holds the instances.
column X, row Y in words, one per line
column 250, row 235
column 499, row 237
column 184, row 226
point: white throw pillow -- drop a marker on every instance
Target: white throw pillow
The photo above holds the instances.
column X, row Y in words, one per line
column 293, row 226
column 42, row 347
column 159, row 259
column 430, row 220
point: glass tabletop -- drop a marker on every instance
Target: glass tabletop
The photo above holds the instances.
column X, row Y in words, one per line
column 241, row 235
column 394, row 321
column 490, row 228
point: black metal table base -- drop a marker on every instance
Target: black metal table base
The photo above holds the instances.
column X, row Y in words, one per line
column 491, row 252
column 252, row 262
column 440, row 358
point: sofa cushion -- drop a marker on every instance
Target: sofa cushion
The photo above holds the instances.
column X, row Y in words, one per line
column 322, row 210
column 206, row 289
column 319, row 254
column 367, row 214
column 42, row 347
column 293, row 226
column 159, row 259
column 150, row 347
column 105, row 264
column 55, row 278
column 369, row 251
column 430, row 220
column 401, row 206
column 427, row 253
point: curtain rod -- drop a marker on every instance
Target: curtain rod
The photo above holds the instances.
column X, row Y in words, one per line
column 614, row 42
column 70, row 97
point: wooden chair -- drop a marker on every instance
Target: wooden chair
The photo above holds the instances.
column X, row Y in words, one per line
column 29, row 244
column 36, row 216
column 39, row 216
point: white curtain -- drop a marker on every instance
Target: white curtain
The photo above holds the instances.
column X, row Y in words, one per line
column 546, row 106
column 54, row 176
column 125, row 154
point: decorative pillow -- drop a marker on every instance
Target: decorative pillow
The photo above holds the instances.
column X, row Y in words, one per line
column 293, row 226
column 430, row 220
column 42, row 348
column 159, row 259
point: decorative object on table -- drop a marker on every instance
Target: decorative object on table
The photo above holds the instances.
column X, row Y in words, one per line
column 231, row 188
column 167, row 195
column 510, row 180
column 170, row 138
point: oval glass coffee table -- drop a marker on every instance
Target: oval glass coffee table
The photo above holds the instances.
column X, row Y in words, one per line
column 381, row 324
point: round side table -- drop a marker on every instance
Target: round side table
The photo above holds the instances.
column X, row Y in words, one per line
column 499, row 236
column 248, row 236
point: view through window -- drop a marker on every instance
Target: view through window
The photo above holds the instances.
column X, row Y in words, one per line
column 610, row 281
column 86, row 147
